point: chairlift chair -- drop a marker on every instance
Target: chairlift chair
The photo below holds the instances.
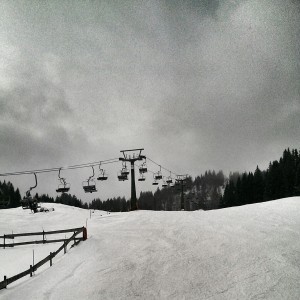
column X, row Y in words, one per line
column 63, row 187
column 142, row 177
column 124, row 170
column 158, row 175
column 28, row 201
column 102, row 176
column 122, row 177
column 89, row 186
column 143, row 168
column 169, row 180
column 164, row 184
column 155, row 181
column 25, row 202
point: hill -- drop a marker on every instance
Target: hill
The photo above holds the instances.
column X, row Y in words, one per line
column 248, row 252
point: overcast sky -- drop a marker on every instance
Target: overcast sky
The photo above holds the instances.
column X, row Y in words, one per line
column 200, row 85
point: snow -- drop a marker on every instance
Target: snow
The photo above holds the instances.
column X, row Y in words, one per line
column 248, row 252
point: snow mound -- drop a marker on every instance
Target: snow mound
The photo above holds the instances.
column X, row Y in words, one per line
column 248, row 252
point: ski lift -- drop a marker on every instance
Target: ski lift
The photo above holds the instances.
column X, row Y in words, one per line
column 28, row 201
column 169, row 179
column 122, row 177
column 155, row 181
column 164, row 184
column 143, row 168
column 124, row 170
column 102, row 176
column 89, row 186
column 142, row 177
column 158, row 175
column 63, row 187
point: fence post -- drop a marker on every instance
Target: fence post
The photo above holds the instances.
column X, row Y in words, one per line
column 43, row 236
column 30, row 270
column 5, row 282
column 50, row 259
column 74, row 239
column 33, row 259
column 84, row 233
column 65, row 248
column 4, row 241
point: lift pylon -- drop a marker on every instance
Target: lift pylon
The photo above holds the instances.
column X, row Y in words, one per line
column 132, row 155
column 181, row 181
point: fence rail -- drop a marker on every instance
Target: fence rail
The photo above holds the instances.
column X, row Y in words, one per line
column 36, row 242
column 13, row 235
column 43, row 233
column 6, row 281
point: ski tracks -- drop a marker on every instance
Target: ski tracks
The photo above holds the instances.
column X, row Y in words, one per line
column 49, row 294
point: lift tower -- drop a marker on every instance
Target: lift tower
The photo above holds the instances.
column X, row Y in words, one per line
column 181, row 180
column 132, row 158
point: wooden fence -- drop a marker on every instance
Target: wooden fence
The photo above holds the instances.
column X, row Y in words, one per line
column 32, row 268
column 43, row 241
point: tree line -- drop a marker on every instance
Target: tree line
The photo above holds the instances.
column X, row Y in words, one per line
column 112, row 204
column 204, row 192
column 211, row 190
column 280, row 180
column 9, row 197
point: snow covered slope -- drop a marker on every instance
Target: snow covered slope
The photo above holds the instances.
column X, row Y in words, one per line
column 249, row 252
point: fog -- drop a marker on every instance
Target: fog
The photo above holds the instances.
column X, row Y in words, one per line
column 199, row 84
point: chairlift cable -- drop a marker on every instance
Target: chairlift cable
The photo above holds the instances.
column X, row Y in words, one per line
column 56, row 169
column 161, row 166
column 156, row 171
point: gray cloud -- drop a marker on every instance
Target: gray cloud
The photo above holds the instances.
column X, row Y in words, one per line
column 199, row 84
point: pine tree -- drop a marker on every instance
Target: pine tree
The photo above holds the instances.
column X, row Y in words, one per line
column 244, row 190
column 297, row 181
column 239, row 193
column 229, row 195
column 16, row 198
column 287, row 165
column 276, row 181
column 258, row 186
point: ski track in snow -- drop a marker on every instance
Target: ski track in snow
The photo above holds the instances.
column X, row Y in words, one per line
column 249, row 252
